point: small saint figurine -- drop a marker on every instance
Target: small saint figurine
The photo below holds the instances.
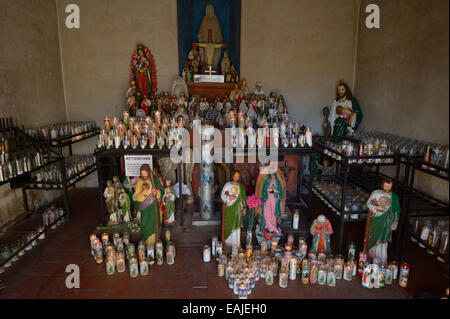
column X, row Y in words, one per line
column 109, row 195
column 321, row 230
column 182, row 101
column 234, row 94
column 125, row 205
column 384, row 212
column 259, row 90
column 326, row 126
column 234, row 198
column 244, row 88
column 225, row 64
column 168, row 204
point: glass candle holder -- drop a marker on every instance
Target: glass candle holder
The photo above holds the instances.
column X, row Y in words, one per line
column 231, row 281
column 348, row 272
column 237, row 283
column 206, row 254
column 170, row 255
column 331, row 278
column 322, row 277
column 40, row 230
column 221, row 269
column 120, row 262
column 313, row 272
column 283, row 280
column 338, row 269
column 110, row 265
column 133, row 265
column 293, row 268
column 159, row 253
column 269, row 276
column 99, row 252
column 143, row 265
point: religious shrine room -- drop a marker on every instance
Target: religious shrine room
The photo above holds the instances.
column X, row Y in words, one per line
column 205, row 151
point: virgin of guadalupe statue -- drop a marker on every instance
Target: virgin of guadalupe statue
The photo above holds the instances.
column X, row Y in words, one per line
column 148, row 191
column 234, row 198
column 210, row 32
column 271, row 188
column 143, row 71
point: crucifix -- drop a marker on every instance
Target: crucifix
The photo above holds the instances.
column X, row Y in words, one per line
column 209, row 47
column 210, row 70
column 286, row 170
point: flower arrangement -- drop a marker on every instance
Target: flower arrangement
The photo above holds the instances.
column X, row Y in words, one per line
column 253, row 203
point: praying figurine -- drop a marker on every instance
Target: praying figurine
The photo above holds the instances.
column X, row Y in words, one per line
column 384, row 213
column 234, row 198
column 321, row 231
column 168, row 204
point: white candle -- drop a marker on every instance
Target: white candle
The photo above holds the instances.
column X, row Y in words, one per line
column 293, row 268
column 283, row 281
column 296, row 221
column 206, row 254
column 213, row 245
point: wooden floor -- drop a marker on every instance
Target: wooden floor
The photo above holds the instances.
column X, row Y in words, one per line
column 40, row 273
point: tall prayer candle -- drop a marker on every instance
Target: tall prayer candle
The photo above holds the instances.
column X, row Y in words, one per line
column 296, row 220
column 206, row 254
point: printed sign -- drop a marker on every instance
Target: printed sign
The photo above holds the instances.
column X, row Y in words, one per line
column 133, row 164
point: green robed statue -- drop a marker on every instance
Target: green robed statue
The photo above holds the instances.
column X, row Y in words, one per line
column 346, row 114
column 384, row 213
column 148, row 191
column 235, row 201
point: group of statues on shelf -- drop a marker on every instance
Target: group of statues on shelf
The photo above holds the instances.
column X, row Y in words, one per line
column 240, row 104
column 145, row 198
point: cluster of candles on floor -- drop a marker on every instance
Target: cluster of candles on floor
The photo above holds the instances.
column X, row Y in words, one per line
column 243, row 269
column 52, row 218
column 121, row 249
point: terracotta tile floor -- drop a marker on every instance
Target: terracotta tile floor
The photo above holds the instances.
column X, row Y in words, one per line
column 41, row 272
